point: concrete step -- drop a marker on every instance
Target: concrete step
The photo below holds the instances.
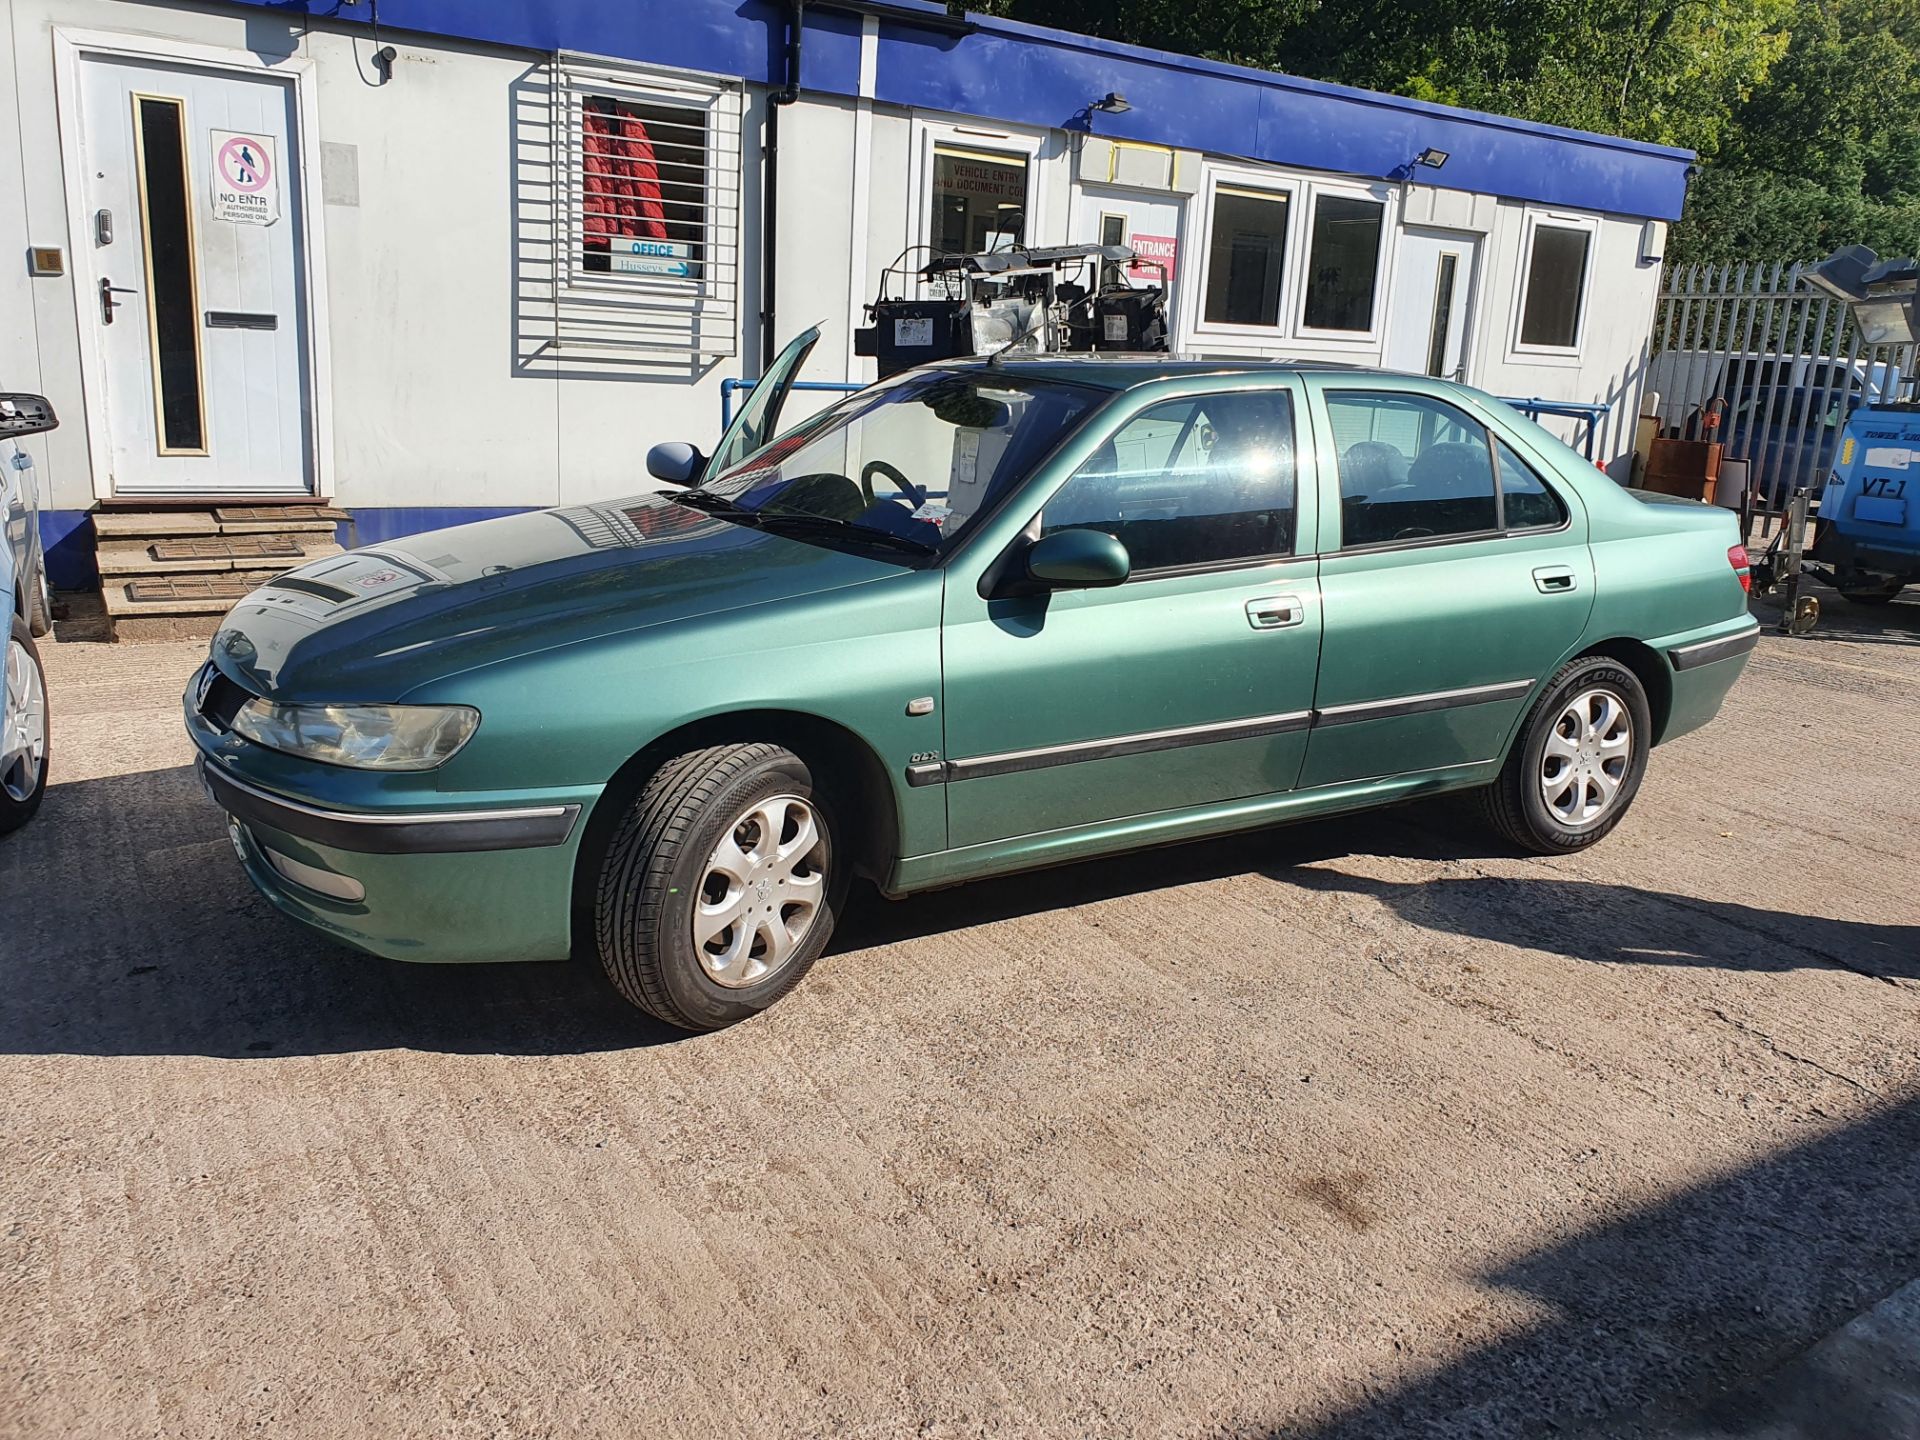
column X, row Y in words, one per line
column 173, row 573
column 191, row 554
column 159, row 629
column 236, row 520
column 150, row 595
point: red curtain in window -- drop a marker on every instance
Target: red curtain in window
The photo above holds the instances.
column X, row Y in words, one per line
column 621, row 186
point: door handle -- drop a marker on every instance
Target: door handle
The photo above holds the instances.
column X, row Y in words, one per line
column 107, row 303
column 1554, row 579
column 1275, row 612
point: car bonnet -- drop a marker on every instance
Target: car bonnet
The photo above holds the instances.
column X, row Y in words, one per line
column 375, row 623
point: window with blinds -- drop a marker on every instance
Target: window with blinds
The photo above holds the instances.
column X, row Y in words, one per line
column 648, row 258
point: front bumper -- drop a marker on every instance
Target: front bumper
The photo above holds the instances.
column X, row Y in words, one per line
column 467, row 882
column 445, row 832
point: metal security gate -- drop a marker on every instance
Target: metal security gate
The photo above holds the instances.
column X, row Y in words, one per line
column 1749, row 356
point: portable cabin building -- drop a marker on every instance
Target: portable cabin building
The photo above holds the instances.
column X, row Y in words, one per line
column 432, row 260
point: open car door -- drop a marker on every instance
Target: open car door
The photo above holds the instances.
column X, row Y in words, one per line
column 759, row 418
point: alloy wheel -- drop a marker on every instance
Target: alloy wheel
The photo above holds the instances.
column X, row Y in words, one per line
column 1587, row 756
column 23, row 725
column 761, row 891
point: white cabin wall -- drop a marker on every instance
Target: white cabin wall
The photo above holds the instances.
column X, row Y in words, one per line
column 435, row 403
column 1611, row 364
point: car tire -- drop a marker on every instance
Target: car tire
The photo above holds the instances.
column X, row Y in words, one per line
column 699, row 845
column 23, row 781
column 39, row 601
column 1567, row 781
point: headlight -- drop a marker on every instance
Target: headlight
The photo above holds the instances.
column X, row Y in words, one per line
column 366, row 737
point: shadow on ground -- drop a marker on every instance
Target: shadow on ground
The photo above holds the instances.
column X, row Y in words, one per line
column 1620, row 924
column 131, row 930
column 1896, row 623
column 1654, row 1315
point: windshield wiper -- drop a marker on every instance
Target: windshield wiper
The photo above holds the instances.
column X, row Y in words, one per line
column 793, row 521
column 713, row 505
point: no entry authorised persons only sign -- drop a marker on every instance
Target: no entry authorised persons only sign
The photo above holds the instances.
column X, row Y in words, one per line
column 246, row 178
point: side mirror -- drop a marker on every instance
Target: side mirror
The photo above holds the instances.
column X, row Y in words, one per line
column 1078, row 560
column 22, row 415
column 675, row 462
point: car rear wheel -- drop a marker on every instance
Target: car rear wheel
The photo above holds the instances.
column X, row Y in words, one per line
column 23, row 730
column 719, row 887
column 1577, row 765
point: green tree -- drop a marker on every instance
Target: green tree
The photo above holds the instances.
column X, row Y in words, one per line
column 1827, row 151
column 1805, row 113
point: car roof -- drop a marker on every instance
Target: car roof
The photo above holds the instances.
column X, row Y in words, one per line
column 1124, row 371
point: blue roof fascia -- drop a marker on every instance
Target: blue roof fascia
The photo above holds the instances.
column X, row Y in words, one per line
column 740, row 39
column 1032, row 75
column 1278, row 79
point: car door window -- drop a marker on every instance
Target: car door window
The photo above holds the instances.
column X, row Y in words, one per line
column 1201, row 481
column 1528, row 502
column 1411, row 468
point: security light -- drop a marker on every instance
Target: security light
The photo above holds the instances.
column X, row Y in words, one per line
column 1114, row 104
column 1433, row 159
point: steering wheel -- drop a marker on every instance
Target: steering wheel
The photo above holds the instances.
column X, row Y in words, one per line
column 900, row 482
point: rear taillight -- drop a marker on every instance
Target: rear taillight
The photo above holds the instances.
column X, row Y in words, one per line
column 1737, row 558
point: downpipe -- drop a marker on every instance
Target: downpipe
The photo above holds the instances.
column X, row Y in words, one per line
column 777, row 100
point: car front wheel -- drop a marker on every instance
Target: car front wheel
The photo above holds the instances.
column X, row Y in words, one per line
column 1578, row 762
column 719, row 887
column 23, row 730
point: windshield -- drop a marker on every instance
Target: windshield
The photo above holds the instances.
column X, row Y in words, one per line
column 916, row 459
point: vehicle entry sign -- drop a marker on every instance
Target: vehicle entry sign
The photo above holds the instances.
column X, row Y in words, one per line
column 246, row 178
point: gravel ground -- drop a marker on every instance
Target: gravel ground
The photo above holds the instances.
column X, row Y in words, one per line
column 1353, row 1129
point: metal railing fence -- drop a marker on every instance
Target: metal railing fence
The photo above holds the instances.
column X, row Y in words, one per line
column 1748, row 355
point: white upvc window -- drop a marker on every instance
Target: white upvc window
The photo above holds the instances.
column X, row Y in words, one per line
column 978, row 187
column 1248, row 226
column 1343, row 290
column 648, row 243
column 1291, row 257
column 1556, row 276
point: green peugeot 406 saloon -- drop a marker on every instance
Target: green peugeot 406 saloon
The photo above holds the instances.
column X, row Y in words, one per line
column 980, row 617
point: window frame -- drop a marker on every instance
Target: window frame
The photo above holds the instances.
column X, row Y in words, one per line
column 1302, row 193
column 142, row 182
column 1330, row 479
column 1553, row 220
column 1028, row 146
column 1382, row 195
column 1305, row 481
column 1266, row 183
column 638, row 311
column 1566, row 510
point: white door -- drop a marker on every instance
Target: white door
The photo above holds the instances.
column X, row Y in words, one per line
column 1104, row 215
column 195, row 287
column 1428, row 331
